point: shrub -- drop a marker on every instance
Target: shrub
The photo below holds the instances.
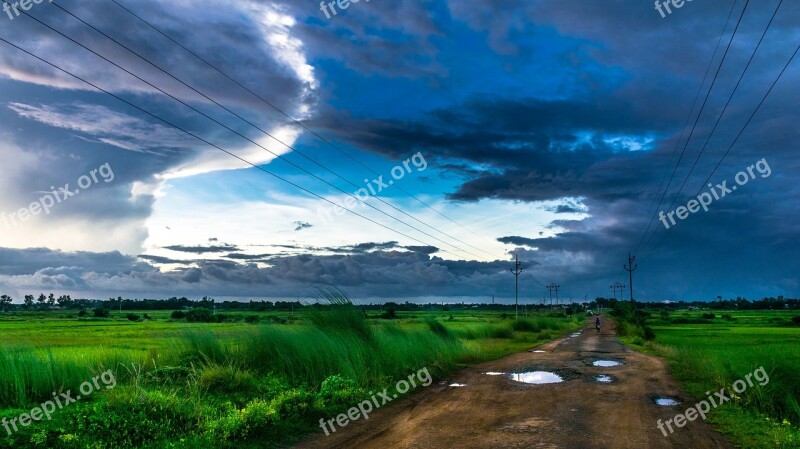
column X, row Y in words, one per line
column 226, row 379
column 338, row 390
column 132, row 317
column 200, row 316
column 101, row 313
column 252, row 319
column 82, row 313
column 796, row 320
column 178, row 315
column 293, row 403
column 256, row 418
column 708, row 316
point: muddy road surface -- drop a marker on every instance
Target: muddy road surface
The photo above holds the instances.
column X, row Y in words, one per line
column 579, row 412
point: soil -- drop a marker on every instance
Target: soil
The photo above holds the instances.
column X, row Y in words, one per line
column 497, row 412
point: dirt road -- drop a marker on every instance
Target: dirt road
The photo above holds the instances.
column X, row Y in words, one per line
column 494, row 411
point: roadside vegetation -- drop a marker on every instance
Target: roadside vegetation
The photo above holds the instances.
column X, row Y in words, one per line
column 711, row 349
column 247, row 380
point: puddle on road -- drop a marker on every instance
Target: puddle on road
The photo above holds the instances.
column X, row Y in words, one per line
column 606, row 363
column 604, row 379
column 537, row 377
column 665, row 401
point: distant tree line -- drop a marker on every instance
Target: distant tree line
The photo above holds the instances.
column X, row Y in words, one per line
column 388, row 309
column 66, row 302
column 771, row 303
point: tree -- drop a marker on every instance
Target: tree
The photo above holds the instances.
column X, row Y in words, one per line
column 41, row 300
column 5, row 301
column 64, row 300
column 51, row 300
column 28, row 301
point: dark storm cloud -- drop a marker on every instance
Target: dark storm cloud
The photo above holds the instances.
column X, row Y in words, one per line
column 249, row 257
column 422, row 249
column 162, row 260
column 567, row 209
column 28, row 261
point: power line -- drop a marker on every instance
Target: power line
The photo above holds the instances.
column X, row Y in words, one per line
column 189, row 133
column 654, row 208
column 725, row 108
column 699, row 114
column 736, row 140
column 281, row 157
column 270, row 104
column 236, row 132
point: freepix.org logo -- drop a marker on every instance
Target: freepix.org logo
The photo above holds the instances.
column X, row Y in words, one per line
column 50, row 199
column 715, row 193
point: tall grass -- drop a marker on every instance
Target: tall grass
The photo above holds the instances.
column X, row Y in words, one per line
column 29, row 375
column 351, row 348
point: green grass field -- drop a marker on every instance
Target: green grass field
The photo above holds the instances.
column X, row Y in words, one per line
column 707, row 354
column 232, row 384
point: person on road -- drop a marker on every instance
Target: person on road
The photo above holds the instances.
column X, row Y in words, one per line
column 597, row 324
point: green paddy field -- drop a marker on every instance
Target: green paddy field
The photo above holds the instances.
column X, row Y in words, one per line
column 709, row 353
column 233, row 384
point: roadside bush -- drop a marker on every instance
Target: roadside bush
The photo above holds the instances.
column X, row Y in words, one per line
column 293, row 403
column 258, row 417
column 337, row 391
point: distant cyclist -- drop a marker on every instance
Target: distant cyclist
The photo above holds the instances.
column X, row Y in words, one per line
column 597, row 324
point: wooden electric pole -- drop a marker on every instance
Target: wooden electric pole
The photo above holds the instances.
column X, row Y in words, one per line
column 630, row 268
column 516, row 271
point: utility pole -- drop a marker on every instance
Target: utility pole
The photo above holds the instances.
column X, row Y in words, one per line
column 615, row 286
column 630, row 268
column 516, row 271
column 552, row 287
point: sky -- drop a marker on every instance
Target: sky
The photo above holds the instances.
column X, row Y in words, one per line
column 212, row 149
